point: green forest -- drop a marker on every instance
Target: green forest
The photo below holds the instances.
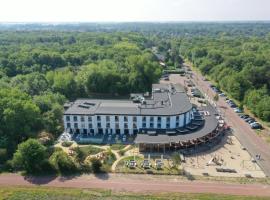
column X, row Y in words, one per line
column 44, row 66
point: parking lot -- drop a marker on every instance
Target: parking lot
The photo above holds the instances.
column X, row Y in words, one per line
column 242, row 130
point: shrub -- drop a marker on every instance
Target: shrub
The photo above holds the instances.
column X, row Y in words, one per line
column 45, row 138
column 122, row 152
column 29, row 156
column 62, row 163
column 176, row 158
column 3, row 156
column 8, row 166
column 96, row 165
column 66, row 144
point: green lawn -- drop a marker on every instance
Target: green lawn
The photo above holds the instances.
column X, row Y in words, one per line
column 90, row 150
column 44, row 193
column 117, row 146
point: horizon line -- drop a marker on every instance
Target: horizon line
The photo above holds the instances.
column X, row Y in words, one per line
column 119, row 22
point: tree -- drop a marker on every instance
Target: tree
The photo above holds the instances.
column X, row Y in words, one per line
column 30, row 156
column 19, row 117
column 62, row 163
column 96, row 165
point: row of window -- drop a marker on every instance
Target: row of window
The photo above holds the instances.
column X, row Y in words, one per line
column 108, row 125
column 116, row 118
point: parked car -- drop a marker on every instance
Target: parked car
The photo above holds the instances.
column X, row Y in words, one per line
column 237, row 110
column 222, row 95
column 245, row 116
column 248, row 119
column 166, row 78
column 256, row 125
column 241, row 115
column 251, row 121
column 233, row 105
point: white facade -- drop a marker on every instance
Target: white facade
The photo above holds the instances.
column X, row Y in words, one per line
column 123, row 124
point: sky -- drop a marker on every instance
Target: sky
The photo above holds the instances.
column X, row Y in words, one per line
column 133, row 10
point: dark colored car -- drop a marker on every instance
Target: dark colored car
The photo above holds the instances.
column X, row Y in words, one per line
column 245, row 116
column 249, row 119
column 256, row 126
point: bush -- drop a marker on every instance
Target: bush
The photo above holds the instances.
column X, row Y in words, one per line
column 66, row 144
column 96, row 165
column 3, row 156
column 176, row 158
column 45, row 138
column 8, row 166
column 62, row 163
column 51, row 150
column 122, row 152
column 29, row 156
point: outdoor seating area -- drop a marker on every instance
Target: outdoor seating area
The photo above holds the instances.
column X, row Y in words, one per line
column 146, row 164
column 159, row 164
column 131, row 164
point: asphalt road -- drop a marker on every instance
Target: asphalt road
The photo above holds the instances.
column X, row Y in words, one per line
column 136, row 183
column 247, row 137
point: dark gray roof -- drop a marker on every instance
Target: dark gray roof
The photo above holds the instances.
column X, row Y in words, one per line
column 169, row 100
column 210, row 125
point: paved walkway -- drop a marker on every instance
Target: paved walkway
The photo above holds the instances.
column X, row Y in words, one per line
column 136, row 183
column 247, row 137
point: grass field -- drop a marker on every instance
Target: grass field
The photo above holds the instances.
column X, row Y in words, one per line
column 90, row 150
column 117, row 146
column 43, row 193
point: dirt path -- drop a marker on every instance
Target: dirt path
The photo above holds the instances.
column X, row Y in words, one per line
column 136, row 183
column 116, row 162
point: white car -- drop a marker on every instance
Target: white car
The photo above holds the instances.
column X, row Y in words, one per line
column 222, row 95
column 237, row 110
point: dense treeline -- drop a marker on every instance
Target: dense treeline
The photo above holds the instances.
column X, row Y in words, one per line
column 39, row 71
column 239, row 65
column 168, row 30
